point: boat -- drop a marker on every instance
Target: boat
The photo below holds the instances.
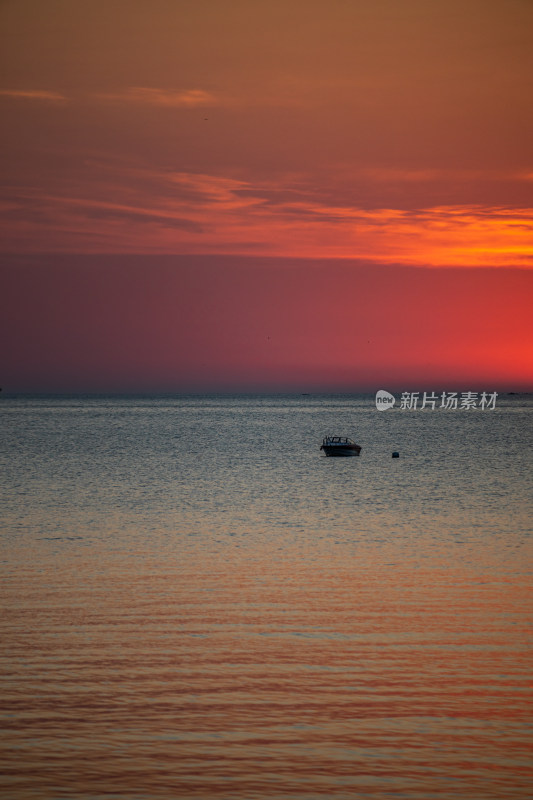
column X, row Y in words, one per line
column 340, row 446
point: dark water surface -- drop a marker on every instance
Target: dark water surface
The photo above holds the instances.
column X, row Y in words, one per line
column 198, row 604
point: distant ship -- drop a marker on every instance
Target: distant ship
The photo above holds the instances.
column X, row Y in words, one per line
column 340, row 446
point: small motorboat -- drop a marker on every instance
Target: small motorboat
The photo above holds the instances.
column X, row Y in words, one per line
column 340, row 446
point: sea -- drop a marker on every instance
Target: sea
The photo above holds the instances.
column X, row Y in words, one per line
column 198, row 604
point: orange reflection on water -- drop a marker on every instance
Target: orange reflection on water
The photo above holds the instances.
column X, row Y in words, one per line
column 256, row 672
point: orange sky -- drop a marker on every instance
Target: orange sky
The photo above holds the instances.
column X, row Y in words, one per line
column 372, row 131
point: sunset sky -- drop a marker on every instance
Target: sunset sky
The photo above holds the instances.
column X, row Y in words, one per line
column 253, row 194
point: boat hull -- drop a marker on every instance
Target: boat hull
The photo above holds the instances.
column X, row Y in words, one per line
column 341, row 450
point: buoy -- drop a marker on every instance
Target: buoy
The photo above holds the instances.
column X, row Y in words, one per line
column 396, row 454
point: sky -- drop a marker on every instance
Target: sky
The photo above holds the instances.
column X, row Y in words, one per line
column 266, row 195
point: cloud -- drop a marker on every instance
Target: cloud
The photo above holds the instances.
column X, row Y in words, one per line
column 188, row 98
column 185, row 212
column 105, row 210
column 33, row 94
column 137, row 216
column 270, row 95
column 218, row 191
column 392, row 175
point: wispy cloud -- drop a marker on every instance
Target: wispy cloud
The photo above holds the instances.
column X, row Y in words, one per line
column 33, row 94
column 391, row 175
column 269, row 95
column 185, row 212
column 185, row 98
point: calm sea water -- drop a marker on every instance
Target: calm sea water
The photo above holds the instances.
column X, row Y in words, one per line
column 198, row 604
